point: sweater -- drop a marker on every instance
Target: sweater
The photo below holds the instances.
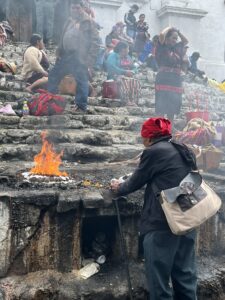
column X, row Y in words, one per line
column 31, row 62
column 163, row 164
column 113, row 65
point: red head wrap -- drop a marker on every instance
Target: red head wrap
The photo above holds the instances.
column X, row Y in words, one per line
column 156, row 127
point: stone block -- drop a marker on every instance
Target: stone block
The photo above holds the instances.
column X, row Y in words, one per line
column 68, row 201
column 92, row 199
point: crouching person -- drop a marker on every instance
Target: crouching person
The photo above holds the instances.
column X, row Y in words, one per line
column 77, row 53
column 35, row 64
column 167, row 256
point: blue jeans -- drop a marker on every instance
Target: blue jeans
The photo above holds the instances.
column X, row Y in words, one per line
column 168, row 256
column 45, row 18
column 69, row 64
column 131, row 33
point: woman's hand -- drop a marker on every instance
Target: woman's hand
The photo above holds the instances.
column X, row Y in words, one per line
column 115, row 185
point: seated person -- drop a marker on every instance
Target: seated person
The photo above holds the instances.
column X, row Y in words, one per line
column 117, row 33
column 147, row 50
column 120, row 67
column 193, row 67
column 35, row 64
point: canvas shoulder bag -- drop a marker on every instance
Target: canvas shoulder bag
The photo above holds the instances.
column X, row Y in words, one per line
column 188, row 205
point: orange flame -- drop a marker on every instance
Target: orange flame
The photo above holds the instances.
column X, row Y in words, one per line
column 47, row 162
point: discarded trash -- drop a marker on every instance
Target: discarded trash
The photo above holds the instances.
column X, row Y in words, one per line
column 86, row 261
column 101, row 260
column 89, row 270
column 7, row 110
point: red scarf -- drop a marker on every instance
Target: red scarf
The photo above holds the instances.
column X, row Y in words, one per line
column 156, row 127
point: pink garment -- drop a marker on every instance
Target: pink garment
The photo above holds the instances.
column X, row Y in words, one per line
column 7, row 110
column 3, row 36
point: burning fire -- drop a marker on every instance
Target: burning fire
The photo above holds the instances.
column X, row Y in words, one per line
column 47, row 162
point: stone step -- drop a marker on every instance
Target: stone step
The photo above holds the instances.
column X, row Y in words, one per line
column 90, row 137
column 72, row 152
column 14, row 96
column 104, row 122
column 103, row 110
column 101, row 172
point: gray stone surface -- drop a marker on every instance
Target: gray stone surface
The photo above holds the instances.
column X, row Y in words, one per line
column 42, row 227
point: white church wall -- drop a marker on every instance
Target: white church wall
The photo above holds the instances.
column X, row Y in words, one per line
column 205, row 32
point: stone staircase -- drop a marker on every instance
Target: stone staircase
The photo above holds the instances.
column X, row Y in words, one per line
column 43, row 226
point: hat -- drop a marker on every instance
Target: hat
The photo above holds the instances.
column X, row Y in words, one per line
column 156, row 127
column 12, row 67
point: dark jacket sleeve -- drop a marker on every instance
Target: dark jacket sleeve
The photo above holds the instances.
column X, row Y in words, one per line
column 59, row 50
column 141, row 176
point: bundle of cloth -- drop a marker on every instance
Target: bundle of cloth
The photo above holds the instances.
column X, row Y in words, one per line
column 6, row 32
column 7, row 67
column 197, row 132
column 214, row 83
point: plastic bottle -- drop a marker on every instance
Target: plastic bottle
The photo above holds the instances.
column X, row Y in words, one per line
column 25, row 108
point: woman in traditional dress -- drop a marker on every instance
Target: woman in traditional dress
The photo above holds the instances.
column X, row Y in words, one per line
column 141, row 34
column 168, row 87
column 120, row 67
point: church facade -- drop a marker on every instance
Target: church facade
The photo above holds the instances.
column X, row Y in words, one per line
column 202, row 22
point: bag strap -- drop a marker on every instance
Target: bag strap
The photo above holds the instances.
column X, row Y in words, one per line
column 187, row 155
column 155, row 188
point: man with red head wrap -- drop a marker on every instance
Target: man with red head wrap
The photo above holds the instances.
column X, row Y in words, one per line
column 163, row 163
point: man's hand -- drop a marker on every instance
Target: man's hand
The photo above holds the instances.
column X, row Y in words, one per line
column 45, row 74
column 90, row 73
column 115, row 183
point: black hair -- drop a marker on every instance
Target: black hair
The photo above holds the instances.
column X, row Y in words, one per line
column 155, row 38
column 35, row 38
column 120, row 46
column 170, row 32
column 135, row 6
column 141, row 15
column 195, row 55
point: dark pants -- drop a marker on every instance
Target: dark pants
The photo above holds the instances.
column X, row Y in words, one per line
column 168, row 256
column 70, row 65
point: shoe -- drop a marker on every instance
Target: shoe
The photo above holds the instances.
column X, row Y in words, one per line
column 77, row 109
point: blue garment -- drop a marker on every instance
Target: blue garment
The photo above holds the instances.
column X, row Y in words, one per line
column 193, row 65
column 113, row 65
column 146, row 51
column 170, row 256
column 131, row 33
column 69, row 64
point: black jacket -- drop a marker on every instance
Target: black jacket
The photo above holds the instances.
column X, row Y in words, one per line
column 130, row 20
column 165, row 164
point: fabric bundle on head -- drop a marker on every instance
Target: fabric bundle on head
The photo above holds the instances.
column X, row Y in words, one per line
column 156, row 127
column 163, row 34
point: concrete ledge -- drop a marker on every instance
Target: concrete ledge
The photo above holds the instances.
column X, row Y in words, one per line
column 185, row 11
column 112, row 3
